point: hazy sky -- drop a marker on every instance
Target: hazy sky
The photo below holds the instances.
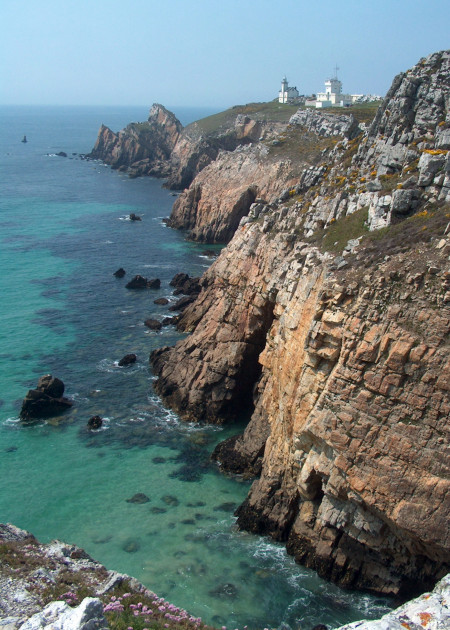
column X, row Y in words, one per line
column 207, row 52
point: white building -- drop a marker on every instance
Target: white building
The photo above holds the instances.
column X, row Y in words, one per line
column 333, row 96
column 287, row 94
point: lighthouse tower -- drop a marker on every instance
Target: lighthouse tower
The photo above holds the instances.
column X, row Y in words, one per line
column 287, row 94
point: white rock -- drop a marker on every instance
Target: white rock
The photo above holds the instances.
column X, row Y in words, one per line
column 430, row 611
column 59, row 616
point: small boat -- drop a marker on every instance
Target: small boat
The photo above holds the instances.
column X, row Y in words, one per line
column 24, row 139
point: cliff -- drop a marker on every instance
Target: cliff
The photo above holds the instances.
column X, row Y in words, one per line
column 222, row 194
column 144, row 148
column 326, row 319
column 162, row 147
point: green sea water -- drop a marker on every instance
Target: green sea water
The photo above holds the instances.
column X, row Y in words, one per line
column 63, row 232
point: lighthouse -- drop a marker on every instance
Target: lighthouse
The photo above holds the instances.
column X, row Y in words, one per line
column 287, row 94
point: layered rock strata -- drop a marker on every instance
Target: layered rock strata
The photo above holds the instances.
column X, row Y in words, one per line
column 142, row 147
column 339, row 340
column 162, row 147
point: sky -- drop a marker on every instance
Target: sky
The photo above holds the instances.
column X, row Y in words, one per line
column 215, row 53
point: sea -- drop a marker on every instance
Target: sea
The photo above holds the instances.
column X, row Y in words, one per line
column 64, row 231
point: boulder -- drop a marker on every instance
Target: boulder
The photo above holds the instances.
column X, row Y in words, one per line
column 45, row 401
column 169, row 321
column 134, row 217
column 95, row 423
column 120, row 273
column 161, row 301
column 154, row 283
column 183, row 283
column 179, row 279
column 183, row 303
column 88, row 615
column 139, row 282
column 153, row 324
column 128, row 359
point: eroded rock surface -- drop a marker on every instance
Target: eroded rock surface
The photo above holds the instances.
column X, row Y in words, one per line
column 336, row 336
column 45, row 401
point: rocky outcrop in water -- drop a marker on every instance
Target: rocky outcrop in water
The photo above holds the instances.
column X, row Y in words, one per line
column 161, row 147
column 45, row 401
column 142, row 147
column 334, row 336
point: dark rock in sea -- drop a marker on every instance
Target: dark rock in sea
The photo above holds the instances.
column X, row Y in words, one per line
column 134, row 217
column 161, row 301
column 94, row 423
column 179, row 279
column 153, row 324
column 138, row 282
column 45, row 401
column 196, row 504
column 169, row 321
column 158, row 510
column 169, row 499
column 224, row 591
column 183, row 303
column 183, row 283
column 120, row 273
column 188, row 521
column 61, row 154
column 159, row 460
column 140, row 498
column 131, row 545
column 128, row 359
column 11, row 449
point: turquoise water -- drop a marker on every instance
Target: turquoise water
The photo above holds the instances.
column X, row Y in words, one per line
column 63, row 232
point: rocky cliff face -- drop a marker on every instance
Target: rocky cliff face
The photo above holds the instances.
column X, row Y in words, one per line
column 336, row 335
column 144, row 148
column 222, row 194
column 161, row 147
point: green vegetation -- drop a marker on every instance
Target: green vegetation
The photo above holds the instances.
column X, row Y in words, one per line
column 339, row 232
column 300, row 146
column 417, row 228
column 272, row 111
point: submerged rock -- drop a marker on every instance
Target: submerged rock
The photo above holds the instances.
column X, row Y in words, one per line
column 169, row 499
column 45, row 401
column 120, row 273
column 139, row 497
column 224, row 591
column 134, row 217
column 131, row 545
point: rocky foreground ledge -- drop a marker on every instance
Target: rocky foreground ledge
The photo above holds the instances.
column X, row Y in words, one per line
column 60, row 587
